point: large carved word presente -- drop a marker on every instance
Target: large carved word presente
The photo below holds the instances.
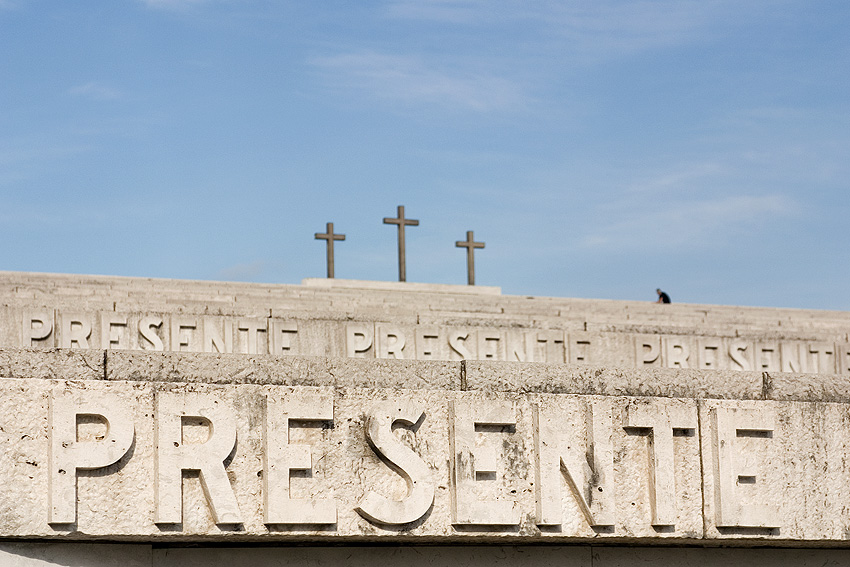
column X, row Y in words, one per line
column 171, row 459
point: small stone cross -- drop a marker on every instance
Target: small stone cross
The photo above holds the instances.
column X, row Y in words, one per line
column 470, row 246
column 401, row 222
column 330, row 237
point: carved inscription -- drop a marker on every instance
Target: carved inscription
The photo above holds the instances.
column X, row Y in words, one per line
column 420, row 482
column 176, row 453
column 583, row 452
column 568, row 464
column 275, row 336
column 281, row 456
column 739, row 500
column 69, row 452
column 473, row 462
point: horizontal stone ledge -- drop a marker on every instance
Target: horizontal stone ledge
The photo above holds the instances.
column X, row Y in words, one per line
column 281, row 370
column 488, row 376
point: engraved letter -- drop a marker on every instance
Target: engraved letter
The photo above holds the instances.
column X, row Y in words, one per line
column 732, row 473
column 843, row 361
column 741, row 353
column 253, row 329
column 659, row 420
column 68, row 453
column 491, row 345
column 183, row 334
column 420, row 482
column 214, row 339
column 283, row 332
column 468, row 460
column 173, row 456
column 579, row 348
column 458, row 344
column 390, row 341
column 74, row 331
column 793, row 357
column 767, row 356
column 676, row 352
column 428, row 343
column 147, row 326
column 709, row 352
column 358, row 339
column 280, row 457
column 113, row 331
column 822, row 357
column 648, row 351
column 587, row 467
column 37, row 327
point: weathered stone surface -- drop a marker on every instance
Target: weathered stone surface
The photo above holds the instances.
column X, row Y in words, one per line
column 55, row 363
column 412, row 321
column 122, row 493
column 217, row 369
column 411, row 413
column 563, row 378
column 808, row 387
column 775, row 470
column 280, row 370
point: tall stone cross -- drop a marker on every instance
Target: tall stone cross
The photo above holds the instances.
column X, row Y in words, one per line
column 330, row 237
column 401, row 222
column 470, row 246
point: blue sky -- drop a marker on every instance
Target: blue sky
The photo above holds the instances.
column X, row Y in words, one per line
column 600, row 149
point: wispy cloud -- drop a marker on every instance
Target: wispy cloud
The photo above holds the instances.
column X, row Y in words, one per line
column 411, row 80
column 588, row 29
column 676, row 179
column 698, row 222
column 94, row 91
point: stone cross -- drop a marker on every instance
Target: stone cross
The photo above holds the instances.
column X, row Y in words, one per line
column 470, row 246
column 401, row 222
column 330, row 237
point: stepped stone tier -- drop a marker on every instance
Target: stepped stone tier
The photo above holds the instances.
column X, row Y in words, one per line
column 150, row 422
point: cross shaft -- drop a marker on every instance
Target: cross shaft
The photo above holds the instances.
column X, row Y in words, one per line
column 470, row 246
column 330, row 237
column 401, row 222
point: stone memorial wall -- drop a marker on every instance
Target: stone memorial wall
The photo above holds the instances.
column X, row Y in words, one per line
column 158, row 413
column 146, row 446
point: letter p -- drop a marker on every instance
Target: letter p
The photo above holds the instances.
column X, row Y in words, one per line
column 68, row 453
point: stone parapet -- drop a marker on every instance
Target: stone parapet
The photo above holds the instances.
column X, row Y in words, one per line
column 484, row 376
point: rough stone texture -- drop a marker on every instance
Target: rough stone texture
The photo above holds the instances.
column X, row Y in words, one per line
column 807, row 387
column 776, row 442
column 801, row 470
column 323, row 310
column 118, row 500
column 280, row 370
column 72, row 364
column 62, row 364
column 563, row 378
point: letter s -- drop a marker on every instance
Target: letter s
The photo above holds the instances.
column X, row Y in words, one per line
column 420, row 482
